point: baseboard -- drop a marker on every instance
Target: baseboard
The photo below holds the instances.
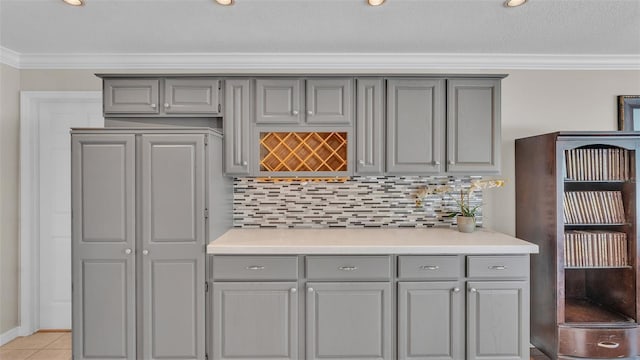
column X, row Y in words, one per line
column 9, row 335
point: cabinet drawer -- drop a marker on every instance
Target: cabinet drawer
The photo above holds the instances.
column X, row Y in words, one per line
column 429, row 267
column 348, row 268
column 516, row 266
column 255, row 267
column 598, row 343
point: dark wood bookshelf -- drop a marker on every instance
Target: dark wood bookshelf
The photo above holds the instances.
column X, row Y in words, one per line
column 580, row 311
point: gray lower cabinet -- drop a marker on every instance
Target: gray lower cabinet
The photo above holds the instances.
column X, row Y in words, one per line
column 349, row 320
column 473, row 126
column 138, row 245
column 498, row 320
column 237, row 120
column 415, row 125
column 255, row 320
column 430, row 320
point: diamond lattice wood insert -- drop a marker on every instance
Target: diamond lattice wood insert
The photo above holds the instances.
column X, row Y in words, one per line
column 303, row 151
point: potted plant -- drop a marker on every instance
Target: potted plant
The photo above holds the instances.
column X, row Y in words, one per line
column 465, row 214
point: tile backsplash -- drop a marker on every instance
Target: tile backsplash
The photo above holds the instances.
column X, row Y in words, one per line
column 375, row 201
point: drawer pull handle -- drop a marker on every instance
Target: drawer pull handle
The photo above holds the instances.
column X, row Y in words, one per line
column 608, row 344
column 255, row 267
column 497, row 267
column 348, row 268
column 429, row 267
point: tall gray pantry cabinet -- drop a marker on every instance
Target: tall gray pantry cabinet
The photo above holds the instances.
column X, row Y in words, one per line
column 141, row 200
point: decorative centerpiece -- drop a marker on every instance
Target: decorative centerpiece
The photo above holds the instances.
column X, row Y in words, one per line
column 465, row 214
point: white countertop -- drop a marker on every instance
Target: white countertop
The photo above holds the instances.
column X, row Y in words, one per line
column 367, row 241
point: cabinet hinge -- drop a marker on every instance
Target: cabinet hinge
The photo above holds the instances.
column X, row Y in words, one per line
column 206, row 286
column 206, row 213
column 219, row 107
column 206, row 356
column 206, row 140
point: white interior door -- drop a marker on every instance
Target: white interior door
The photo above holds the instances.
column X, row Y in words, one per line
column 55, row 118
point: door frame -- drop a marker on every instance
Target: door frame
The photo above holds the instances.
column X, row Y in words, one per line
column 29, row 201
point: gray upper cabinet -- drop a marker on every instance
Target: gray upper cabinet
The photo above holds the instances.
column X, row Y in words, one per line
column 237, row 120
column 370, row 126
column 430, row 320
column 173, row 238
column 473, row 126
column 191, row 96
column 329, row 101
column 161, row 97
column 103, row 232
column 350, row 320
column 255, row 320
column 294, row 101
column 279, row 101
column 498, row 320
column 415, row 125
column 131, row 96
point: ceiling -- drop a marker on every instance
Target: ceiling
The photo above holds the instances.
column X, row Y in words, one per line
column 608, row 28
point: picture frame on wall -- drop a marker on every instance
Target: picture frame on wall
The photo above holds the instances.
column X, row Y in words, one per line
column 629, row 112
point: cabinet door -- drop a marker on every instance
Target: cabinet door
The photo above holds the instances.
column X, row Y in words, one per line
column 498, row 320
column 236, row 126
column 255, row 321
column 370, row 126
column 348, row 321
column 473, row 126
column 415, row 126
column 329, row 101
column 278, row 101
column 173, row 246
column 430, row 321
column 103, row 233
column 132, row 96
column 191, row 96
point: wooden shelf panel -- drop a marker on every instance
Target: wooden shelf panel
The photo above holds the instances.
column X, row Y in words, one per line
column 587, row 311
column 303, row 151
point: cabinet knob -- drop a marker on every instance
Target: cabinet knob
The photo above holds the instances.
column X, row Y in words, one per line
column 361, row 162
column 293, row 290
column 153, row 106
column 309, row 112
column 166, row 105
column 310, row 289
column 244, row 163
column 473, row 290
column 451, row 162
column 295, row 112
column 145, row 252
column 128, row 251
column 456, row 290
column 436, row 162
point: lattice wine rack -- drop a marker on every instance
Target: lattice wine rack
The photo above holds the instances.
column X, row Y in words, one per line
column 303, row 151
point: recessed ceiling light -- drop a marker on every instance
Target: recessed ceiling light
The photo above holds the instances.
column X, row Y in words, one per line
column 514, row 3
column 225, row 2
column 74, row 2
column 375, row 2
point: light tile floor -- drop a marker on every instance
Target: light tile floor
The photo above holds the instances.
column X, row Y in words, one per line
column 39, row 346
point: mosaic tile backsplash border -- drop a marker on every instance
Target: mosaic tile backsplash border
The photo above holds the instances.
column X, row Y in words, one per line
column 376, row 201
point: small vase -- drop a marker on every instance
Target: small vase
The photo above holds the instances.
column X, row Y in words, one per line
column 466, row 224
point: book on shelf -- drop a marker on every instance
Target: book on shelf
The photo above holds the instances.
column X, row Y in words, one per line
column 601, row 164
column 595, row 249
column 593, row 207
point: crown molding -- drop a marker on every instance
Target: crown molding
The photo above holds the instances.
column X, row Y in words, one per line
column 9, row 57
column 352, row 62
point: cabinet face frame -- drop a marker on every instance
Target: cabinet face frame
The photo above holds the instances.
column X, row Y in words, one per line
column 237, row 127
column 370, row 125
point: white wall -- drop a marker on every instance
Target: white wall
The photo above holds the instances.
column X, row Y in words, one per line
column 533, row 102
column 9, row 178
